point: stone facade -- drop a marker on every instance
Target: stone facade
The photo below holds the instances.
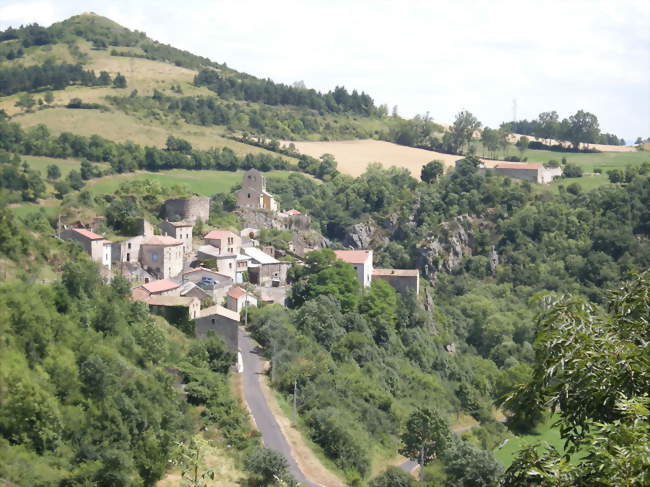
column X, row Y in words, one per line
column 127, row 250
column 188, row 209
column 180, row 231
column 162, row 256
column 253, row 193
column 405, row 281
column 222, row 321
column 533, row 172
column 98, row 248
column 228, row 243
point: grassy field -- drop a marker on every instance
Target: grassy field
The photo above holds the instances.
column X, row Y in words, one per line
column 205, row 183
column 40, row 164
column 544, row 432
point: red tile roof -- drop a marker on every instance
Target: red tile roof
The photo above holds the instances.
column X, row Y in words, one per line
column 160, row 286
column 515, row 165
column 236, row 292
column 353, row 256
column 293, row 212
column 140, row 294
column 87, row 233
column 219, row 234
column 161, row 240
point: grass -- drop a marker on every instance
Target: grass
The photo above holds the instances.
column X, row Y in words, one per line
column 542, row 433
column 204, row 183
column 50, row 207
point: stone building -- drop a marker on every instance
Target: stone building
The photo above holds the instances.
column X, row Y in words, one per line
column 162, row 256
column 537, row 173
column 405, row 281
column 188, row 209
column 361, row 260
column 253, row 193
column 237, row 299
column 214, row 283
column 181, row 230
column 161, row 287
column 228, row 243
column 96, row 246
column 221, row 321
column 265, row 270
column 226, row 264
column 127, row 250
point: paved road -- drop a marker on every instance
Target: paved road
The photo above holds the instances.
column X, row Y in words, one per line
column 266, row 424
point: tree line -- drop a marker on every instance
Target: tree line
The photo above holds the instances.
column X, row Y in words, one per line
column 268, row 92
column 581, row 127
column 53, row 76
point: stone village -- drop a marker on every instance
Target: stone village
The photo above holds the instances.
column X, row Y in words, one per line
column 171, row 274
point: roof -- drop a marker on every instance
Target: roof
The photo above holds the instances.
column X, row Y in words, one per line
column 516, row 165
column 214, row 252
column 293, row 212
column 353, row 256
column 205, row 269
column 88, row 234
column 161, row 240
column 172, row 300
column 396, row 272
column 236, row 292
column 140, row 294
column 220, row 311
column 259, row 256
column 160, row 286
column 219, row 234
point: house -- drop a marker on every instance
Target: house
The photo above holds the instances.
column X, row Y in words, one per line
column 265, row 270
column 226, row 264
column 220, row 320
column 237, row 299
column 249, row 232
column 190, row 289
column 162, row 256
column 180, row 231
column 162, row 287
column 253, row 193
column 405, row 281
column 127, row 250
column 361, row 260
column 174, row 308
column 93, row 244
column 534, row 172
column 213, row 283
column 226, row 241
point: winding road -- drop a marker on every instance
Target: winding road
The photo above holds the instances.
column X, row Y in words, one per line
column 272, row 436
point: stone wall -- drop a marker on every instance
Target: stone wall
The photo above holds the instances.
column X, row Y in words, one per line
column 190, row 209
column 223, row 326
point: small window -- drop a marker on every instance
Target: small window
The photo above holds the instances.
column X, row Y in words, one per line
column 249, row 195
column 154, row 257
column 129, row 245
column 230, row 265
column 213, row 321
column 128, row 257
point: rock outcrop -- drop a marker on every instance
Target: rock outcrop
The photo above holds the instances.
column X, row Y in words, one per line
column 363, row 235
column 445, row 250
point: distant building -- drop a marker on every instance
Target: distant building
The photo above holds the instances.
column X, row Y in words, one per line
column 180, row 231
column 214, row 283
column 96, row 246
column 405, row 281
column 265, row 270
column 361, row 260
column 228, row 243
column 534, row 172
column 161, row 287
column 127, row 250
column 188, row 209
column 222, row 321
column 253, row 193
column 162, row 256
column 190, row 289
column 226, row 264
column 237, row 299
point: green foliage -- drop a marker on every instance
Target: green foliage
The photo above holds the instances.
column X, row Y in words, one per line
column 431, row 171
column 393, row 477
column 426, row 436
column 268, row 466
column 468, row 466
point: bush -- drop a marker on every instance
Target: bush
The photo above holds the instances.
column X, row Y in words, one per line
column 572, row 171
column 267, row 465
column 393, row 477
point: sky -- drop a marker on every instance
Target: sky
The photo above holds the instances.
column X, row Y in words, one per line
column 431, row 56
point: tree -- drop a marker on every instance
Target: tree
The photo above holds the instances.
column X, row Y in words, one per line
column 189, row 457
column 463, row 130
column 119, row 81
column 572, row 171
column 548, row 126
column 393, row 477
column 431, row 171
column 591, row 366
column 26, row 102
column 49, row 97
column 53, row 172
column 490, row 140
column 75, row 180
column 583, row 127
column 522, row 144
column 268, row 466
column 469, row 466
column 426, row 437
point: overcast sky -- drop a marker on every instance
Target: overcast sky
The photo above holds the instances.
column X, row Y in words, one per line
column 423, row 56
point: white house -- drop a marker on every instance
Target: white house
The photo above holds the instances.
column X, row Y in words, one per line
column 361, row 260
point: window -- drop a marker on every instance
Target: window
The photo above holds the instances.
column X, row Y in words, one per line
column 230, row 265
column 249, row 195
column 154, row 257
column 213, row 321
column 128, row 257
column 129, row 245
